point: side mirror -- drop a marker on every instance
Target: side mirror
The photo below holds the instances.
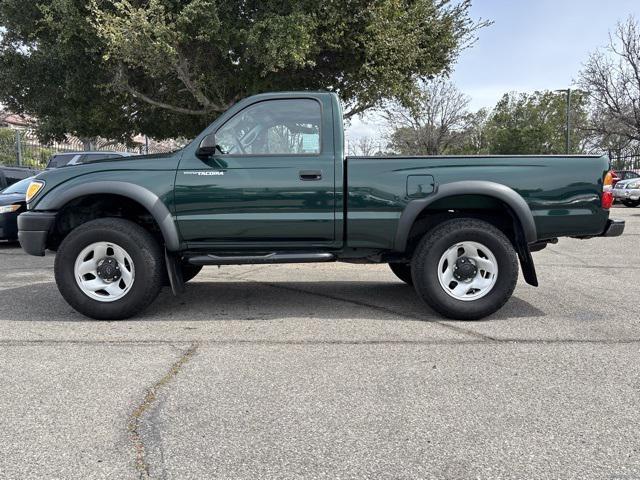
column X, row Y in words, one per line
column 208, row 147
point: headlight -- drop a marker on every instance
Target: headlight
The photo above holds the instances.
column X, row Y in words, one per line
column 33, row 189
column 633, row 185
column 9, row 208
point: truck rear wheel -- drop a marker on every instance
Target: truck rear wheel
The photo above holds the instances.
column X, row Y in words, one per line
column 402, row 271
column 109, row 269
column 465, row 269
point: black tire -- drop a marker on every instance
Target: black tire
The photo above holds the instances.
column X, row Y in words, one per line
column 631, row 203
column 145, row 252
column 402, row 271
column 436, row 242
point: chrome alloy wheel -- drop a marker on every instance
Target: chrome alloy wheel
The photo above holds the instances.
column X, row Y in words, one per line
column 467, row 271
column 104, row 271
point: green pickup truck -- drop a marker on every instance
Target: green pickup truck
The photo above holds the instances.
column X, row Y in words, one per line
column 268, row 182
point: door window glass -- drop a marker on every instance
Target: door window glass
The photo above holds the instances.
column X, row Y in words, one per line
column 273, row 127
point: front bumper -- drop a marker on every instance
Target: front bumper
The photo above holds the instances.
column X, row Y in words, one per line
column 626, row 194
column 614, row 228
column 8, row 226
column 33, row 230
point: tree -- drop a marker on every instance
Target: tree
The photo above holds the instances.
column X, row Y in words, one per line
column 433, row 124
column 167, row 68
column 364, row 146
column 612, row 78
column 473, row 139
column 535, row 123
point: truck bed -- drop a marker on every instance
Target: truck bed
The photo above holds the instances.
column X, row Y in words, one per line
column 563, row 192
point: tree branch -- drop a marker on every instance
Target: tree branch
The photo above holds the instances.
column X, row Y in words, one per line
column 165, row 106
column 182, row 71
column 123, row 83
column 357, row 110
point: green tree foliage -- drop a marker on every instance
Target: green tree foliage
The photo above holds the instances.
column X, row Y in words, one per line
column 34, row 156
column 473, row 139
column 520, row 123
column 7, row 146
column 167, row 68
column 535, row 123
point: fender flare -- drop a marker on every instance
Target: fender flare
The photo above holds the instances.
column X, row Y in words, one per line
column 498, row 191
column 57, row 199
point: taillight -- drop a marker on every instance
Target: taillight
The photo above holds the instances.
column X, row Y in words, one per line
column 607, row 194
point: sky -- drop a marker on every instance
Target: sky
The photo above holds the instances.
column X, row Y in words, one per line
column 532, row 45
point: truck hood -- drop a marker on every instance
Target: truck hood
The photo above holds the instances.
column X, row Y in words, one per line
column 136, row 169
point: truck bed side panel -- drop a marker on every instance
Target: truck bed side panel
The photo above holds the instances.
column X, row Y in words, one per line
column 563, row 192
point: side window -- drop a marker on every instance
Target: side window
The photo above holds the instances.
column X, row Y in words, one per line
column 273, row 127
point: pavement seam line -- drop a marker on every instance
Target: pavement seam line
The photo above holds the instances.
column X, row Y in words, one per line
column 258, row 341
column 136, row 417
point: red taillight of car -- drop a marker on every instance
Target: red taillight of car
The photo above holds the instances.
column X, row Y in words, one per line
column 607, row 194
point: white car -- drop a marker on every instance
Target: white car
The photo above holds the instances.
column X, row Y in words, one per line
column 627, row 192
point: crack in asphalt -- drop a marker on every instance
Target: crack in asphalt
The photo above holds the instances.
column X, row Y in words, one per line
column 142, row 410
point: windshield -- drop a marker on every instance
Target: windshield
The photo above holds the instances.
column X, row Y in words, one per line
column 18, row 187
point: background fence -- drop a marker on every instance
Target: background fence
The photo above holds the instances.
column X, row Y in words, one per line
column 23, row 148
column 626, row 162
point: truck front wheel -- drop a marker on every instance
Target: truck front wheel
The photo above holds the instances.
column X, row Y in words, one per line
column 109, row 269
column 465, row 269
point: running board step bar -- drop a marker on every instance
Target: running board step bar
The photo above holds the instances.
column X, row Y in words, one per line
column 267, row 258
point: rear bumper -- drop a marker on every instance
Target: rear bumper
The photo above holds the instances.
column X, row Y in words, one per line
column 614, row 228
column 33, row 230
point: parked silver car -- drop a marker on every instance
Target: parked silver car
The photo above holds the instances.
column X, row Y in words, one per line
column 627, row 192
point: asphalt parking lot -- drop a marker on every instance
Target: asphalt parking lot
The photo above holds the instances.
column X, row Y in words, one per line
column 328, row 371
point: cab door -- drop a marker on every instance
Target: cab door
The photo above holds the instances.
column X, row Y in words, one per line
column 269, row 183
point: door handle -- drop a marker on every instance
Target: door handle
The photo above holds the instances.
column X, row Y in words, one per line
column 310, row 175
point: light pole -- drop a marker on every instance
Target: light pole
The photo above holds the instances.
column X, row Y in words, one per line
column 568, row 135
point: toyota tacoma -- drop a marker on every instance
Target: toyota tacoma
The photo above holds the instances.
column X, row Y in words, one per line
column 268, row 182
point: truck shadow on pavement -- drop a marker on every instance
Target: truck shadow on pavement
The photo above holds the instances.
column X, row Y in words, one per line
column 242, row 300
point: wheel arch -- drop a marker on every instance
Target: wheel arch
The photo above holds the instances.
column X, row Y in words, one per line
column 509, row 197
column 524, row 230
column 136, row 193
